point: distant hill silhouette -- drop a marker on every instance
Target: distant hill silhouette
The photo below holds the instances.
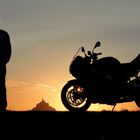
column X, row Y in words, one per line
column 43, row 106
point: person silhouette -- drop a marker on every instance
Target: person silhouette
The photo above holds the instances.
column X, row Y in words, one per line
column 5, row 55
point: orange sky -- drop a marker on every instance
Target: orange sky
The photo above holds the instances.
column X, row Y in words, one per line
column 24, row 96
column 47, row 34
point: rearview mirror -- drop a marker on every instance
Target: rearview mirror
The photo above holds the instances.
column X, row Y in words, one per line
column 83, row 50
column 98, row 44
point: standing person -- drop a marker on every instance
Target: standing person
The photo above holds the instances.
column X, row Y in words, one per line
column 5, row 54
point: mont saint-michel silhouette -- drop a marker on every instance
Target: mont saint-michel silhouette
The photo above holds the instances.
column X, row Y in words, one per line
column 43, row 106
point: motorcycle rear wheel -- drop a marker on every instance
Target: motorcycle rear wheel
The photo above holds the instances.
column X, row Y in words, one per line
column 73, row 96
column 137, row 101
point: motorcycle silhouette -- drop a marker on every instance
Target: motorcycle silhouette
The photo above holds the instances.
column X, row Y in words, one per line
column 100, row 80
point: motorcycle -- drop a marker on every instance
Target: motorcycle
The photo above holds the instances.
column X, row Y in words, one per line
column 100, row 80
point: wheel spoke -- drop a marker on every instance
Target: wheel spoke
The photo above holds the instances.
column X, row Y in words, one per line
column 74, row 96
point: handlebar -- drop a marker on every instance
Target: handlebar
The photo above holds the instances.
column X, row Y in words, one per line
column 89, row 52
column 98, row 53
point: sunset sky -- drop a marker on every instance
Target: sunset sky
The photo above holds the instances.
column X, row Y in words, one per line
column 45, row 34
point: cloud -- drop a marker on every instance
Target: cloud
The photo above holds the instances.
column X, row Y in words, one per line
column 20, row 86
column 45, row 86
column 27, row 87
column 14, row 83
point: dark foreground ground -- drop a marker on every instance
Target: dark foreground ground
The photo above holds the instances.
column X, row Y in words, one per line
column 71, row 125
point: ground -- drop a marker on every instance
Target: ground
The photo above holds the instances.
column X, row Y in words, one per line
column 94, row 125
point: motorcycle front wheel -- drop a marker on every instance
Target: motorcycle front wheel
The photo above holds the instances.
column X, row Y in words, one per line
column 74, row 96
column 137, row 101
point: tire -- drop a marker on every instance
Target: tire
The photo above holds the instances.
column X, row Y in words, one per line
column 137, row 101
column 74, row 96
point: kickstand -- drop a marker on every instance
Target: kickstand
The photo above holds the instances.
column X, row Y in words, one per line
column 113, row 107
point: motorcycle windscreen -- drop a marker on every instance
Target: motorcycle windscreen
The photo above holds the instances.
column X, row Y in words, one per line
column 77, row 67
